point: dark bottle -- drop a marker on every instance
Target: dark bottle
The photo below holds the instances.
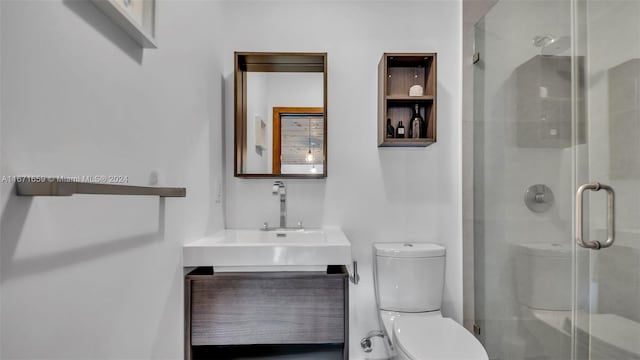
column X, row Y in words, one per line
column 390, row 130
column 417, row 125
column 400, row 131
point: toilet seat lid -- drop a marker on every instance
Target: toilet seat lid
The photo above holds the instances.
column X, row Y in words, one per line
column 436, row 338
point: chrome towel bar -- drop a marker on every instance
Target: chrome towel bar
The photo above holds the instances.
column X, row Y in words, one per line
column 26, row 186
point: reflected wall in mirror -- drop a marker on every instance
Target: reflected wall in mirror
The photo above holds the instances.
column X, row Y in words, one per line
column 291, row 93
column 280, row 115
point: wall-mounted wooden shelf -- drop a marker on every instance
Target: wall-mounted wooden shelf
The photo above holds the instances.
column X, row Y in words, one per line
column 397, row 72
column 40, row 186
column 409, row 98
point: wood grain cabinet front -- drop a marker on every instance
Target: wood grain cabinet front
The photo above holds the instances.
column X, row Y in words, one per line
column 266, row 308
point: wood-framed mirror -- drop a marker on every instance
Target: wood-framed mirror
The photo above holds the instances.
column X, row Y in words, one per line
column 280, row 115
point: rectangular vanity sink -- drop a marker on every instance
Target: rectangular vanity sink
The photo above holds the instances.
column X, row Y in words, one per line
column 270, row 237
column 272, row 250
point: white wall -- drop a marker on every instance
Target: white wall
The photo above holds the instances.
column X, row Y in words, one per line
column 100, row 277
column 374, row 194
column 1, row 168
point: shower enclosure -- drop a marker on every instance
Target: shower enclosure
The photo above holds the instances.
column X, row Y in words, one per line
column 556, row 179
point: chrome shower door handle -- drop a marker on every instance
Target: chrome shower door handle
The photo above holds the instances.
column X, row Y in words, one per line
column 611, row 196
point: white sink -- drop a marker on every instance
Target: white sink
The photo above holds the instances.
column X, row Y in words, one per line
column 274, row 250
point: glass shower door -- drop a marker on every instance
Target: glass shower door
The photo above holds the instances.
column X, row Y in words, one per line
column 556, row 107
column 524, row 180
column 607, row 280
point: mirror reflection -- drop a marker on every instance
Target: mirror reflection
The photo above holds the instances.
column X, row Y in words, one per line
column 298, row 140
column 285, row 123
column 280, row 115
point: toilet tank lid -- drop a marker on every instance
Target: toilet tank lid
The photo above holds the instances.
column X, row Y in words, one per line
column 409, row 250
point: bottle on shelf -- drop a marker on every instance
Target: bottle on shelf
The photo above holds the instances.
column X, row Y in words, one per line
column 390, row 130
column 400, row 131
column 417, row 125
column 423, row 127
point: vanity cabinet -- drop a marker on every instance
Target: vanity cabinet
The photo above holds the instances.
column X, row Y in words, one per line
column 226, row 311
column 397, row 73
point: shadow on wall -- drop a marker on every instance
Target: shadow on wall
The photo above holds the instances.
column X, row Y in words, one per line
column 14, row 216
column 419, row 187
column 102, row 24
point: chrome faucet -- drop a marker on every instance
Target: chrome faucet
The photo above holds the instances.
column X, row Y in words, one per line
column 279, row 189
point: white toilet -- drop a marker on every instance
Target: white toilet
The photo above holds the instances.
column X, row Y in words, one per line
column 409, row 281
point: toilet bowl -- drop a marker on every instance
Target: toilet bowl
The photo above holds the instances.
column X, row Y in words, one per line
column 418, row 336
column 409, row 281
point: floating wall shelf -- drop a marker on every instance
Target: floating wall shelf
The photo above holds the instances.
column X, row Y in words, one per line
column 397, row 72
column 54, row 187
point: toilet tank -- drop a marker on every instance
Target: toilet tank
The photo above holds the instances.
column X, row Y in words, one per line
column 543, row 275
column 409, row 277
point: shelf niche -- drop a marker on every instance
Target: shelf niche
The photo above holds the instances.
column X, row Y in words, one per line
column 397, row 72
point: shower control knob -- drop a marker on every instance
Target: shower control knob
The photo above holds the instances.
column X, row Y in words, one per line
column 538, row 198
